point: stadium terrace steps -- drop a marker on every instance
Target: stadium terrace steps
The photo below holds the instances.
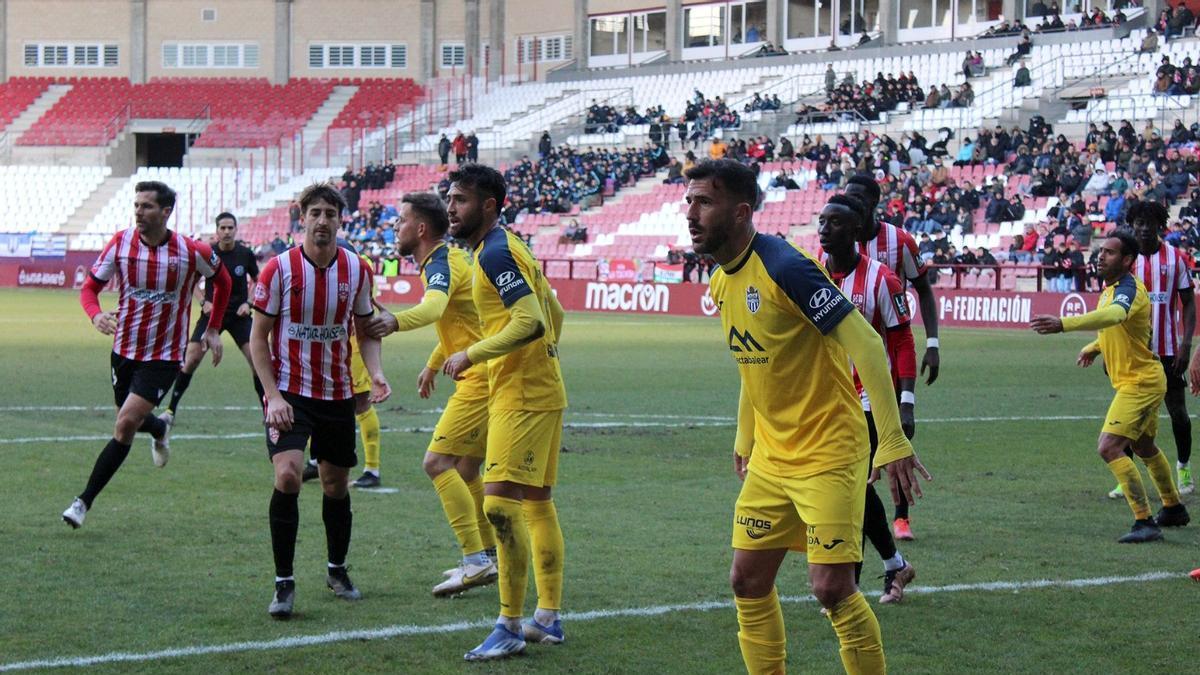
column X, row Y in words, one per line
column 91, row 206
column 31, row 114
column 318, row 125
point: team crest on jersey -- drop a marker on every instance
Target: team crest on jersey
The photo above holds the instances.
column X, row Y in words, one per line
column 858, row 299
column 260, row 291
column 1162, row 269
column 172, row 263
column 753, row 299
column 273, row 433
column 343, row 290
column 239, row 271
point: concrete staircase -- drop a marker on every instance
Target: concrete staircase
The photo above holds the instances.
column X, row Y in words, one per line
column 34, row 112
column 316, row 127
column 91, row 206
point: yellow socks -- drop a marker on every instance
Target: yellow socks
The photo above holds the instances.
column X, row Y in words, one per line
column 764, row 644
column 1164, row 480
column 512, row 549
column 368, row 427
column 486, row 534
column 858, row 633
column 547, row 542
column 1131, row 484
column 459, row 508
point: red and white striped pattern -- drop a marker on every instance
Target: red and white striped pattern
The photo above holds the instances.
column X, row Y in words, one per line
column 1164, row 273
column 155, row 284
column 310, row 345
column 874, row 290
column 897, row 249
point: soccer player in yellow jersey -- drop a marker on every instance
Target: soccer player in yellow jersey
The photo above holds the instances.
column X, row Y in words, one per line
column 521, row 324
column 454, row 455
column 1122, row 317
column 801, row 446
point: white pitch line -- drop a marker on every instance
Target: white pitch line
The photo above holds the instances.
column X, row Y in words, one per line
column 409, row 630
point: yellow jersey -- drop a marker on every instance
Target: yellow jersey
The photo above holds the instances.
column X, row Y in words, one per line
column 448, row 270
column 528, row 378
column 777, row 307
column 1128, row 358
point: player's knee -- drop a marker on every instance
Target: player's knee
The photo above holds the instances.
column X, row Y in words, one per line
column 436, row 464
column 334, row 483
column 830, row 591
column 287, row 481
column 468, row 468
column 748, row 582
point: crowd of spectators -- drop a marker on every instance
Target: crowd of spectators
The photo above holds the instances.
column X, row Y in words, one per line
column 464, row 147
column 1181, row 80
column 708, row 115
column 607, row 119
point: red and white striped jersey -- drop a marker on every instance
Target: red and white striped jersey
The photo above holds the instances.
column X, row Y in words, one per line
column 878, row 295
column 896, row 248
column 155, row 284
column 1164, row 273
column 310, row 345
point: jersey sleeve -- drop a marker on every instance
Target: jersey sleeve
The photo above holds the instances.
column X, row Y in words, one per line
column 502, row 271
column 1183, row 277
column 805, row 284
column 106, row 263
column 437, row 273
column 207, row 261
column 891, row 300
column 1125, row 293
column 365, row 293
column 910, row 256
column 268, row 295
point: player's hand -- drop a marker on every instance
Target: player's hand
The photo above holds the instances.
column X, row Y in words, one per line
column 380, row 389
column 902, row 478
column 383, row 324
column 908, row 420
column 206, row 308
column 279, row 413
column 425, row 380
column 1046, row 324
column 456, row 365
column 243, row 309
column 105, row 322
column 931, row 361
column 1181, row 358
column 1086, row 358
column 740, row 465
column 1194, row 376
column 212, row 343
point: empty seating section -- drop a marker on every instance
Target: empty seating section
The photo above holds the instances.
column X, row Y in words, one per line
column 1135, row 100
column 241, row 112
column 84, row 116
column 41, row 198
column 376, row 102
column 17, row 94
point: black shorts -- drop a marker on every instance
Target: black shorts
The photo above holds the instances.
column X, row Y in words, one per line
column 149, row 379
column 326, row 427
column 237, row 326
column 1174, row 381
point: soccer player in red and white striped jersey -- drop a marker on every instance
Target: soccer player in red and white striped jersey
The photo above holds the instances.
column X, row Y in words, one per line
column 895, row 248
column 156, row 272
column 878, row 295
column 305, row 301
column 1163, row 271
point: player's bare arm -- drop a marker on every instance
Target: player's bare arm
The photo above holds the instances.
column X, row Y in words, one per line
column 1187, row 312
column 1046, row 324
column 370, row 348
column 278, row 413
column 931, row 361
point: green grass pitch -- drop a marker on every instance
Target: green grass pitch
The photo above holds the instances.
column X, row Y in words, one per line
column 179, row 558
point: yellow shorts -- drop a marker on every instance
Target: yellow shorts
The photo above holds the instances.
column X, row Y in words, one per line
column 522, row 446
column 822, row 514
column 360, row 379
column 1133, row 413
column 462, row 430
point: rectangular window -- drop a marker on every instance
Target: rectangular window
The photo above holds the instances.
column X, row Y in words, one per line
column 224, row 56
column 31, row 56
column 170, row 55
column 250, row 55
column 316, row 56
column 372, row 56
column 609, row 35
column 704, row 26
column 79, row 55
column 111, row 55
column 399, row 56
column 454, row 55
column 195, row 56
column 208, row 15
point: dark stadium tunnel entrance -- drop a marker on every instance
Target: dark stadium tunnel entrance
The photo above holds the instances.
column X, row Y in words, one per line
column 162, row 149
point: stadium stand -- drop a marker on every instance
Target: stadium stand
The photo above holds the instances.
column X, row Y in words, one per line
column 17, row 94
column 26, row 205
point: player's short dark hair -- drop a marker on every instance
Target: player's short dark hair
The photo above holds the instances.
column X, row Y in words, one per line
column 854, row 203
column 430, row 209
column 1129, row 243
column 223, row 215
column 164, row 196
column 325, row 192
column 483, row 180
column 867, row 181
column 731, row 176
column 1150, row 211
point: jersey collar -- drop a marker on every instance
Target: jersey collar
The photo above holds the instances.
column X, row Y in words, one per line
column 312, row 262
column 740, row 260
column 429, row 256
